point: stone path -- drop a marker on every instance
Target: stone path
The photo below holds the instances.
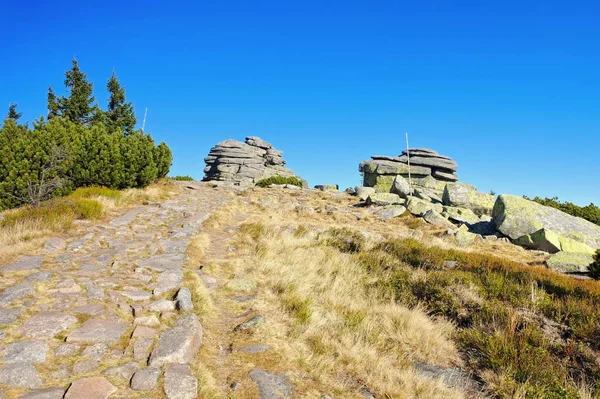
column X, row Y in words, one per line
column 106, row 314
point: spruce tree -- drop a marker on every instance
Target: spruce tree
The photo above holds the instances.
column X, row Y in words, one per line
column 77, row 107
column 53, row 106
column 120, row 114
column 12, row 112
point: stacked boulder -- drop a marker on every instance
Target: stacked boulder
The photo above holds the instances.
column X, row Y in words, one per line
column 244, row 163
column 429, row 172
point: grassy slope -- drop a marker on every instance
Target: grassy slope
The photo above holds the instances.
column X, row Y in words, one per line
column 348, row 310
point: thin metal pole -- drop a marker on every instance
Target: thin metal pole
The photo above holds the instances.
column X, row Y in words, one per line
column 144, row 123
column 408, row 156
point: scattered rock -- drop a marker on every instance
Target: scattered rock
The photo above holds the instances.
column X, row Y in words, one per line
column 419, row 207
column 271, row 386
column 143, row 332
column 461, row 195
column 148, row 321
column 464, row 238
column 254, row 322
column 184, row 300
column 570, row 262
column 90, row 388
column 436, row 219
column 161, row 306
column 20, row 375
column 364, row 192
column 384, row 199
column 86, row 366
column 461, row 215
column 180, row 383
column 327, row 187
column 98, row 330
column 145, row 380
column 391, row 211
column 46, row 325
column 178, row 344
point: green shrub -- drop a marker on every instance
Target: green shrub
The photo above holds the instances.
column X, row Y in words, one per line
column 294, row 181
column 183, row 178
column 95, row 191
column 594, row 267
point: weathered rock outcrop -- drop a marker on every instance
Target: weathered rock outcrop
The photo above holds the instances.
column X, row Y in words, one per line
column 244, row 163
column 428, row 169
column 517, row 217
column 461, row 195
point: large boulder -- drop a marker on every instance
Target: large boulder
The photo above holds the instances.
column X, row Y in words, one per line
column 419, row 207
column 463, row 195
column 549, row 241
column 516, row 217
column 570, row 262
column 401, row 187
column 383, row 199
column 244, row 163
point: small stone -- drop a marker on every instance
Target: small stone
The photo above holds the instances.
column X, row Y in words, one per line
column 161, row 306
column 137, row 310
column 90, row 388
column 38, row 277
column 15, row 292
column 271, row 386
column 98, row 330
column 148, row 321
column 86, row 366
column 20, row 375
column 137, row 296
column 180, row 383
column 143, row 332
column 141, row 348
column 178, row 344
column 96, row 351
column 9, row 316
column 48, row 393
column 243, row 298
column 54, row 245
column 124, row 371
column 242, row 285
column 25, row 263
column 235, row 386
column 167, row 281
column 184, row 300
column 94, row 291
column 65, row 350
column 47, row 324
column 250, row 324
column 145, row 380
column 25, row 352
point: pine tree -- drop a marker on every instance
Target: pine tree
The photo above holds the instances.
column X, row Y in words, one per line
column 120, row 114
column 12, row 112
column 53, row 106
column 78, row 106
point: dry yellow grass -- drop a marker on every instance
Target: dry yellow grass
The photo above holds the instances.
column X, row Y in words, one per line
column 27, row 231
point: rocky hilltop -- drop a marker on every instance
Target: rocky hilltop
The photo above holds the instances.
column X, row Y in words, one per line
column 468, row 214
column 244, row 163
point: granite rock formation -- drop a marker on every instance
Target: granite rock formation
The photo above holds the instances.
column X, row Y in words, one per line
column 244, row 163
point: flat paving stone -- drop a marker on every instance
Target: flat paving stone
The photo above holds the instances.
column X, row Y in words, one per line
column 163, row 262
column 91, row 309
column 271, row 386
column 143, row 332
column 15, row 292
column 137, row 295
column 98, row 330
column 25, row 263
column 161, row 306
column 86, row 366
column 167, row 281
column 148, row 321
column 254, row 349
column 90, row 388
column 25, row 352
column 20, row 375
column 38, row 277
column 145, row 380
column 54, row 245
column 9, row 315
column 66, row 350
column 48, row 393
column 141, row 348
column 96, row 351
column 180, row 383
column 46, row 325
column 124, row 371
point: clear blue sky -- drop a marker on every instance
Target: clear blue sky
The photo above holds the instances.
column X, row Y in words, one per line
column 510, row 90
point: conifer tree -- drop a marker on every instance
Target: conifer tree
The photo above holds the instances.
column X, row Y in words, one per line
column 12, row 112
column 120, row 114
column 77, row 107
column 53, row 106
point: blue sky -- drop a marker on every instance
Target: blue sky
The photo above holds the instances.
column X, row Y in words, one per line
column 510, row 90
